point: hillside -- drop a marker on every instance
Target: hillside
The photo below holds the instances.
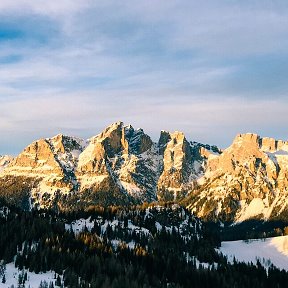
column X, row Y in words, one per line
column 143, row 246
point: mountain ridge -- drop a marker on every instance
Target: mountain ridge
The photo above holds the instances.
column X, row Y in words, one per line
column 122, row 165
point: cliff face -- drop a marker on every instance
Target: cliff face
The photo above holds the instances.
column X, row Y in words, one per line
column 125, row 157
column 182, row 164
column 248, row 180
column 119, row 163
column 122, row 165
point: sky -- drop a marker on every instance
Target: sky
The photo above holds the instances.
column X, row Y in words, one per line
column 211, row 69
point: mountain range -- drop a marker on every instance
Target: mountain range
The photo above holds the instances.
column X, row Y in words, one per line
column 123, row 166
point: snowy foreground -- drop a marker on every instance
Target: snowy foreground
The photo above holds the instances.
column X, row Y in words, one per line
column 270, row 250
column 12, row 275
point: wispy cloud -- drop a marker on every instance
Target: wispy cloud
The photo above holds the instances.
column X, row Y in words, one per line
column 75, row 66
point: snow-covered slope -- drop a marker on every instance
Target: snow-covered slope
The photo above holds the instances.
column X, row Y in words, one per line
column 4, row 161
column 158, row 218
column 268, row 251
column 13, row 275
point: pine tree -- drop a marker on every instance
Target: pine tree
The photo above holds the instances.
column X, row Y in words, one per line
column 58, row 281
column 43, row 284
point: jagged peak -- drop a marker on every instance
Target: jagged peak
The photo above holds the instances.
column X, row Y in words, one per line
column 62, row 137
column 36, row 144
column 58, row 136
column 129, row 126
column 176, row 136
column 266, row 144
column 122, row 138
column 164, row 138
column 64, row 143
column 114, row 126
column 111, row 129
column 271, row 145
column 247, row 137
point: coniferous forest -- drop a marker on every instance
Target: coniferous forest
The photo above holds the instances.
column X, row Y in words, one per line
column 139, row 246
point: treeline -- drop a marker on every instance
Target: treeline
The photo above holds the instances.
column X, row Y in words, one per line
column 253, row 229
column 135, row 247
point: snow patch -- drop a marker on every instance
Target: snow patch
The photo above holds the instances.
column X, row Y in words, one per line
column 33, row 280
column 270, row 250
column 254, row 208
column 80, row 225
column 88, row 180
column 131, row 188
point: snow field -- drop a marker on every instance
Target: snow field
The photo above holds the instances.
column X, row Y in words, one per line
column 270, row 250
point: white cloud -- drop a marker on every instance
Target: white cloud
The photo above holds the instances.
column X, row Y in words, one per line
column 51, row 8
column 156, row 64
column 85, row 115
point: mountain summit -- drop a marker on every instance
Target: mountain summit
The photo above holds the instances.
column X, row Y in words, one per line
column 123, row 166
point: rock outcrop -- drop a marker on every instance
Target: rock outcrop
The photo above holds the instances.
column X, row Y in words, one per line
column 179, row 169
column 248, row 180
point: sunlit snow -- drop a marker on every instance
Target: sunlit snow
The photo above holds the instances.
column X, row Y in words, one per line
column 274, row 250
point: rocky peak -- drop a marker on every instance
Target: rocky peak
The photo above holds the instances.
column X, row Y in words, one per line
column 37, row 158
column 252, row 151
column 118, row 139
column 244, row 149
column 177, row 152
column 112, row 139
column 247, row 180
column 55, row 154
column 271, row 145
column 165, row 137
column 116, row 156
column 65, row 144
column 138, row 141
column 265, row 144
column 247, row 137
column 110, row 130
column 268, row 144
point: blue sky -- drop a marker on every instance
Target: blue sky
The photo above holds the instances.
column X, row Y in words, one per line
column 209, row 68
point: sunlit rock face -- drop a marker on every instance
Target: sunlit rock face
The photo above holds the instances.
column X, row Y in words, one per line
column 123, row 166
column 248, row 180
column 178, row 171
column 125, row 156
column 121, row 161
